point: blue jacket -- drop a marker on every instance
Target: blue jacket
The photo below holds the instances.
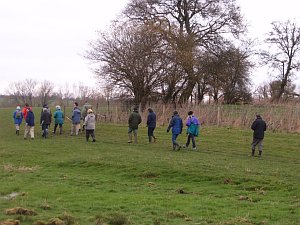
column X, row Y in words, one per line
column 76, row 115
column 193, row 125
column 176, row 124
column 30, row 118
column 151, row 120
column 58, row 117
column 18, row 117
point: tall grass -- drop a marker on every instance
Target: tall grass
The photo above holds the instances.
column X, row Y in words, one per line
column 279, row 117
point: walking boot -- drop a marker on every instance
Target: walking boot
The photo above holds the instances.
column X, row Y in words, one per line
column 129, row 138
column 135, row 139
column 253, row 152
column 259, row 153
column 60, row 130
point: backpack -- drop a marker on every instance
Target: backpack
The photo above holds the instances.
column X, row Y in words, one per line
column 18, row 114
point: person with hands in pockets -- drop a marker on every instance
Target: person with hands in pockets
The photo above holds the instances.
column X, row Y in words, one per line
column 176, row 125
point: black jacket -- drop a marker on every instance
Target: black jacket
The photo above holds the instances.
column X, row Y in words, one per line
column 259, row 126
column 45, row 118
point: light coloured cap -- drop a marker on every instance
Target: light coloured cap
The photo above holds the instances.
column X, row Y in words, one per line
column 89, row 111
column 18, row 108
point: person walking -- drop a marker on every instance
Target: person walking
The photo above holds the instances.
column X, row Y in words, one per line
column 76, row 116
column 176, row 125
column 133, row 125
column 192, row 124
column 24, row 110
column 18, row 117
column 29, row 126
column 151, row 124
column 45, row 122
column 259, row 127
column 84, row 112
column 58, row 119
column 90, row 125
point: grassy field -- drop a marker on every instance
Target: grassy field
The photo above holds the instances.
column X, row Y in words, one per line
column 67, row 180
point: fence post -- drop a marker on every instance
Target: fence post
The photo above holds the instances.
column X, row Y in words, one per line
column 218, row 116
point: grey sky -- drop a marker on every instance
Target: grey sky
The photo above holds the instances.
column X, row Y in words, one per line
column 44, row 39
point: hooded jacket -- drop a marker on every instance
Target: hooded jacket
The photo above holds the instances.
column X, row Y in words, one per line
column 90, row 121
column 30, row 118
column 134, row 120
column 259, row 126
column 76, row 115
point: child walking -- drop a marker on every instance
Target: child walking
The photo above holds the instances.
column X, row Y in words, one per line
column 193, row 124
column 18, row 117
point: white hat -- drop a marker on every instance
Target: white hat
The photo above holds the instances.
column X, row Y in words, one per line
column 18, row 108
column 57, row 107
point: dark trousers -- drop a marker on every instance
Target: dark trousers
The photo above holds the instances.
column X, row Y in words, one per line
column 60, row 128
column 45, row 128
column 191, row 136
column 89, row 133
column 151, row 133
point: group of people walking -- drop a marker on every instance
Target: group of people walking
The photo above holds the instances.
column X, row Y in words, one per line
column 46, row 118
column 134, row 120
column 175, row 124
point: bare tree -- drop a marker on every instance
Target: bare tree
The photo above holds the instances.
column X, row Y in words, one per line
column 189, row 26
column 23, row 91
column 45, row 92
column 284, row 53
column 132, row 57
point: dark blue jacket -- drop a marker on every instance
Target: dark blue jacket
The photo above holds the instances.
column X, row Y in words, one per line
column 151, row 120
column 30, row 118
column 176, row 124
column 259, row 126
column 76, row 115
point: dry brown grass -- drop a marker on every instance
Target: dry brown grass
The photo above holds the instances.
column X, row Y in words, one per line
column 279, row 117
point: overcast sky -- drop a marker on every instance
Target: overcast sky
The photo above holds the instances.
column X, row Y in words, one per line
column 45, row 39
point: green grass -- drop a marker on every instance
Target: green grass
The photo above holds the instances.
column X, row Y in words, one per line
column 112, row 182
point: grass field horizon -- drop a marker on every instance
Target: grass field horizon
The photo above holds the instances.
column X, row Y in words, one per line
column 63, row 178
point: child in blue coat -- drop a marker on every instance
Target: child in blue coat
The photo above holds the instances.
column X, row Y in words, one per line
column 18, row 117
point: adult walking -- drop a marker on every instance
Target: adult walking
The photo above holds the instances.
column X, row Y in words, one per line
column 76, row 116
column 24, row 110
column 133, row 125
column 58, row 119
column 193, row 124
column 90, row 125
column 29, row 126
column 176, row 125
column 45, row 122
column 259, row 127
column 151, row 124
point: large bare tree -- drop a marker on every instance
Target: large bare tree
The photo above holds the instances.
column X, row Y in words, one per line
column 283, row 53
column 189, row 26
column 133, row 57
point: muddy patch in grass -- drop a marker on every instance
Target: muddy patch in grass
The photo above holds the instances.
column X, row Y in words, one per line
column 19, row 169
column 10, row 222
column 149, row 174
column 20, row 211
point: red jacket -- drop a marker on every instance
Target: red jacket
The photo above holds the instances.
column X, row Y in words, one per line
column 24, row 111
